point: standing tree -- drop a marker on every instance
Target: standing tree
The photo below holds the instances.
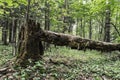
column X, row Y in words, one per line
column 107, row 23
column 90, row 28
column 5, row 32
column 47, row 20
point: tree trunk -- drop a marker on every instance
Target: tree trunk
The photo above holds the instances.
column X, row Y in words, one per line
column 83, row 28
column 107, row 23
column 10, row 32
column 74, row 28
column 101, row 29
column 14, row 27
column 107, row 27
column 47, row 16
column 29, row 46
column 65, row 19
column 5, row 32
column 75, row 42
column 47, row 22
column 90, row 28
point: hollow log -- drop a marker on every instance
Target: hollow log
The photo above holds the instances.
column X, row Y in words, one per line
column 76, row 42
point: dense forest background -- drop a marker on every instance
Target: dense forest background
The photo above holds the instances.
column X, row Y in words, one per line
column 85, row 20
column 97, row 19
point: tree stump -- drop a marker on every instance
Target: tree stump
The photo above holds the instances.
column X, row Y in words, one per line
column 29, row 46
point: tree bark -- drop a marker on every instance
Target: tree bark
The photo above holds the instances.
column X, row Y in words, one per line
column 107, row 27
column 76, row 42
column 47, row 16
column 47, row 22
column 10, row 31
column 29, row 46
column 83, row 28
column 14, row 29
column 5, row 32
column 107, row 23
column 90, row 28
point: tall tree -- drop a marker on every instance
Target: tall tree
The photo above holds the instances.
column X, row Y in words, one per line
column 5, row 30
column 65, row 17
column 47, row 15
column 47, row 21
column 14, row 30
column 107, row 23
column 90, row 28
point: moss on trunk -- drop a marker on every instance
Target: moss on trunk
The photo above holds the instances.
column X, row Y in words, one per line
column 29, row 46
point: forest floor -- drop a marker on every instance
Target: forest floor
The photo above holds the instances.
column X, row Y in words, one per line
column 62, row 63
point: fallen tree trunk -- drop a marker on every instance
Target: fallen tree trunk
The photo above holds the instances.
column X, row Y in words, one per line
column 30, row 45
column 76, row 42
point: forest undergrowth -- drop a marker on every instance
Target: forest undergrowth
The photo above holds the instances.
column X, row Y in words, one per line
column 62, row 63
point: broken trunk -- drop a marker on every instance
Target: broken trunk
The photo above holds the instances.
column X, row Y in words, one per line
column 29, row 47
column 76, row 42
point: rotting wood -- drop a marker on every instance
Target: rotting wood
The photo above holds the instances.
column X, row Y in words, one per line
column 75, row 42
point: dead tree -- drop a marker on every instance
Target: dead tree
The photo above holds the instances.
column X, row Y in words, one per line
column 31, row 35
column 76, row 42
column 29, row 46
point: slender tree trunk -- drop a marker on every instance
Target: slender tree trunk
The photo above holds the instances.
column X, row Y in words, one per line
column 10, row 32
column 65, row 20
column 107, row 24
column 47, row 16
column 74, row 27
column 70, row 28
column 107, row 27
column 90, row 28
column 14, row 29
column 101, row 30
column 28, row 9
column 47, row 22
column 81, row 27
column 5, row 32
